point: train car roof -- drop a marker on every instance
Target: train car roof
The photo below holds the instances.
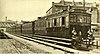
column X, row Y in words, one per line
column 66, row 12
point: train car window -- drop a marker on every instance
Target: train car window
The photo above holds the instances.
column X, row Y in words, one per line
column 38, row 24
column 41, row 24
column 74, row 18
column 84, row 19
column 79, row 18
column 48, row 24
column 63, row 20
column 71, row 18
column 35, row 24
column 88, row 19
column 55, row 22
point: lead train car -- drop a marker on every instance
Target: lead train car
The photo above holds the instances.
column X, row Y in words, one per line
column 28, row 28
column 60, row 24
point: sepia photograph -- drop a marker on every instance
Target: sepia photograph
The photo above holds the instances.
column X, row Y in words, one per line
column 49, row 26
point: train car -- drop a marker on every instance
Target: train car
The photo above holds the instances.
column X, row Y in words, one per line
column 74, row 24
column 62, row 23
column 40, row 26
column 17, row 29
column 27, row 28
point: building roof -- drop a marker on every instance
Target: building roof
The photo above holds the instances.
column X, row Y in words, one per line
column 77, row 4
column 5, row 24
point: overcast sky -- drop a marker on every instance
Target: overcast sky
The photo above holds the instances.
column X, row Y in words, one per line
column 26, row 9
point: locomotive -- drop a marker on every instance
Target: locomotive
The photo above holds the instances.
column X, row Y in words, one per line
column 74, row 24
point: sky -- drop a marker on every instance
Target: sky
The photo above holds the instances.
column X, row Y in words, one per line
column 27, row 10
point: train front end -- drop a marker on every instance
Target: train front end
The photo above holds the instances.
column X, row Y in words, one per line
column 80, row 29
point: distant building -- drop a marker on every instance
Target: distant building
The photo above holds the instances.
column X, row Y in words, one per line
column 7, row 23
column 66, row 5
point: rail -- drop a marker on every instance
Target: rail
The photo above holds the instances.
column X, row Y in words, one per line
column 64, row 39
column 16, row 49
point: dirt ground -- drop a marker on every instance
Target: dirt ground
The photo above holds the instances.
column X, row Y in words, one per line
column 10, row 46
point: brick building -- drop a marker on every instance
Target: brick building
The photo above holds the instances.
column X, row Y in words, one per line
column 6, row 24
column 67, row 5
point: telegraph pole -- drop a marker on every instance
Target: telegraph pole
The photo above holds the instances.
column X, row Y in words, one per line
column 6, row 19
column 84, row 4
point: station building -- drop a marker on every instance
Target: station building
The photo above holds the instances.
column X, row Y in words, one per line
column 92, row 8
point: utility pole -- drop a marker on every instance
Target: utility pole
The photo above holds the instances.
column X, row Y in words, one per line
column 84, row 4
column 6, row 19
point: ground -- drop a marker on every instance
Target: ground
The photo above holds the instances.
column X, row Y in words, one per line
column 10, row 46
column 21, row 46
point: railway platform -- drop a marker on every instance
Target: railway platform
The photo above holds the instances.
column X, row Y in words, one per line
column 45, row 49
column 9, row 45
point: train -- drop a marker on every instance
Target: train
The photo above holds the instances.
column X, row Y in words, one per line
column 74, row 24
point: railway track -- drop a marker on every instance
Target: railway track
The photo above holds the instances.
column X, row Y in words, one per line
column 50, row 43
column 51, row 40
column 16, row 49
column 56, row 43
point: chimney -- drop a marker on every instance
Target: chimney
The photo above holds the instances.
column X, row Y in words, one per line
column 52, row 3
column 62, row 1
column 39, row 17
column 6, row 18
column 53, row 7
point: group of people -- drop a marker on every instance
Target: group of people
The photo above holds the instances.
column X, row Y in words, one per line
column 75, row 34
column 78, row 36
column 78, row 39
